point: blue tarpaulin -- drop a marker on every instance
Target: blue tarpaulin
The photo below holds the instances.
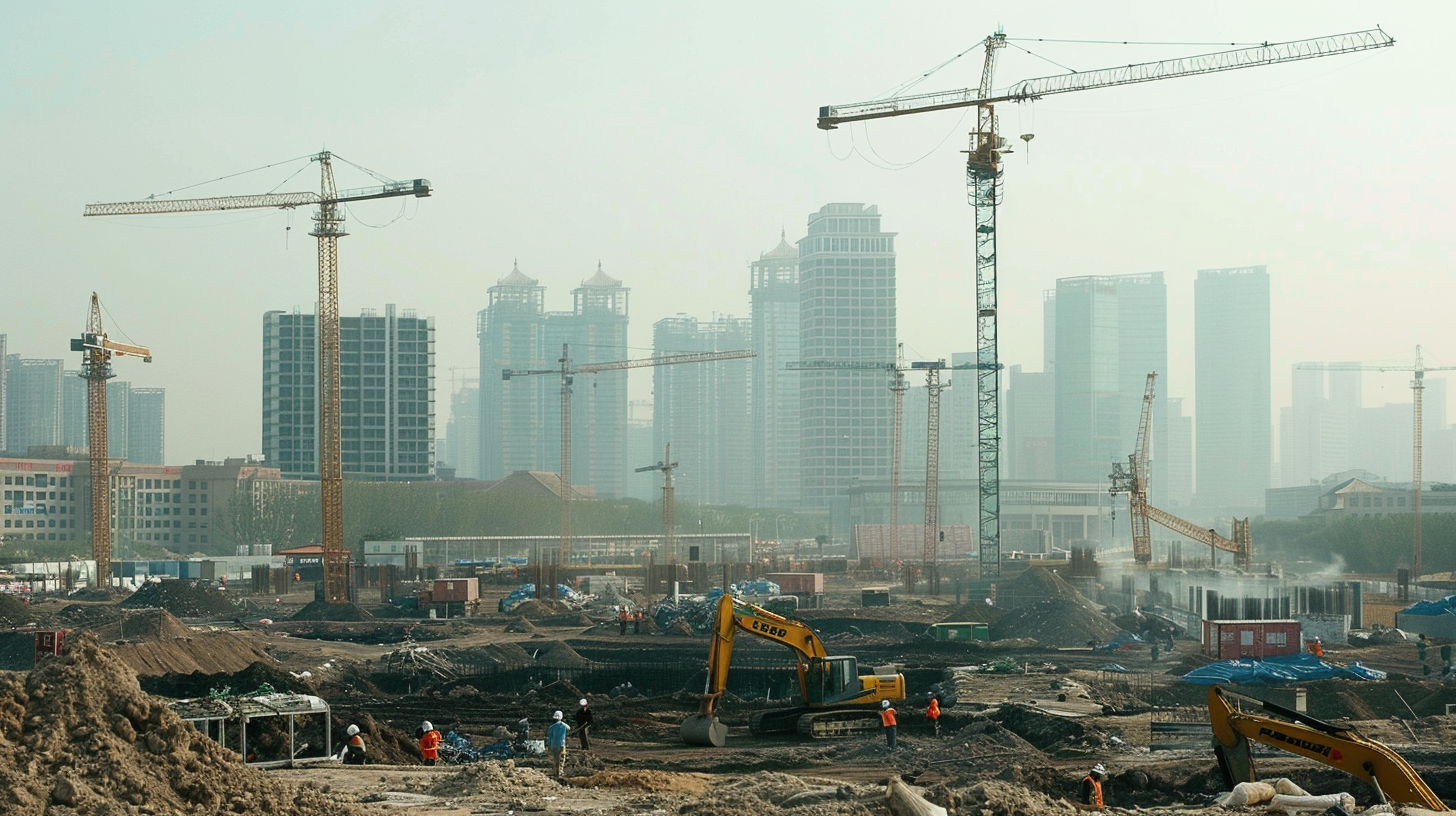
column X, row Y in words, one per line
column 1273, row 671
column 1445, row 606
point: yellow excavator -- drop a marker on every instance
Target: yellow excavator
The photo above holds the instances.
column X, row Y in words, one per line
column 1374, row 763
column 836, row 699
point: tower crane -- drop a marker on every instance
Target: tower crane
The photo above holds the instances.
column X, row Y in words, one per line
column 1418, row 386
column 96, row 352
column 667, row 466
column 933, row 387
column 328, row 227
column 1133, row 480
column 568, row 372
column 983, row 178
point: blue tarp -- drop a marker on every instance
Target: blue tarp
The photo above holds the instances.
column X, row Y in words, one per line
column 1445, row 606
column 1274, row 671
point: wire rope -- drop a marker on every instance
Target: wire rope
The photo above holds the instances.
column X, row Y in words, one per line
column 228, row 176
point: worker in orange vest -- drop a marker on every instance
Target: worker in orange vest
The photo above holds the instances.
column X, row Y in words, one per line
column 622, row 617
column 1317, row 649
column 429, row 742
column 933, row 713
column 887, row 719
column 1092, row 787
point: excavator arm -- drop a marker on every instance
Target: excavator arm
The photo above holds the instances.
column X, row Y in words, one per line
column 1365, row 759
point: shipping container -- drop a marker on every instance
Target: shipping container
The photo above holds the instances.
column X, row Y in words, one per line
column 1230, row 640
column 798, row 583
column 456, row 589
column 875, row 596
column 968, row 630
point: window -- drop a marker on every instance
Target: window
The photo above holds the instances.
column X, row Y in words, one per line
column 1246, row 637
column 1276, row 638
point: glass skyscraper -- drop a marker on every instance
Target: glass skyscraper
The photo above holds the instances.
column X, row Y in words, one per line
column 510, row 435
column 774, row 302
column 703, row 409
column 1232, row 417
column 846, row 312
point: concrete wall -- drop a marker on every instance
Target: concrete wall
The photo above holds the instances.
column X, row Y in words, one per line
column 1328, row 628
column 1429, row 625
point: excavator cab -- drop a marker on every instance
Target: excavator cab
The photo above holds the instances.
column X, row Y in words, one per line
column 832, row 679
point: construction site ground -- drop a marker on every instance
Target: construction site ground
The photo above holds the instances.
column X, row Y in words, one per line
column 1015, row 742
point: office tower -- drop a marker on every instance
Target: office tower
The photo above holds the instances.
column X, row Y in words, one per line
column 510, row 331
column 1314, row 431
column 386, row 395
column 4, row 372
column 118, row 419
column 74, row 428
column 1030, row 436
column 594, row 331
column 1231, row 354
column 1111, row 332
column 959, row 452
column 1177, row 461
column 703, row 409
column 147, row 432
column 641, row 451
column 774, row 312
column 846, row 312
column 33, row 403
column 463, row 431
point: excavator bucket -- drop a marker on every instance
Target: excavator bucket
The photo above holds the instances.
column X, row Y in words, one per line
column 704, row 729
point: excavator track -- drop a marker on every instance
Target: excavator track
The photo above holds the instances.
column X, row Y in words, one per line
column 845, row 722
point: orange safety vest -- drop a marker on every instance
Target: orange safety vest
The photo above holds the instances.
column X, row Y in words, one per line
column 933, row 712
column 430, row 745
column 887, row 717
column 1096, row 790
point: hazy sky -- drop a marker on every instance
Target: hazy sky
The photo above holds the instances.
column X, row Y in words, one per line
column 671, row 141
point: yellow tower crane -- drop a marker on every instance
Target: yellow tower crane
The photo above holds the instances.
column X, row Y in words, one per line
column 983, row 178
column 1418, row 386
column 97, row 350
column 328, row 227
column 568, row 371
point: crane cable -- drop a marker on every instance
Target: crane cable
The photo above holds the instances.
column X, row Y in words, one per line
column 228, row 176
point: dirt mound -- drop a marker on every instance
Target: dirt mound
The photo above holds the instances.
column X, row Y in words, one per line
column 325, row 611
column 502, row 779
column 1061, row 622
column 99, row 594
column 78, row 735
column 1048, row 732
column 536, row 609
column 979, row 611
column 208, row 652
column 521, row 626
column 1044, row 584
column 185, row 599
column 88, row 615
column 14, row 611
column 560, row 655
column 143, row 624
column 561, row 694
column 651, row 781
column 200, row 684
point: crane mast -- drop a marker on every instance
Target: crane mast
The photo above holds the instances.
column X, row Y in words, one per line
column 1418, row 386
column 933, row 388
column 983, row 179
column 568, row 373
column 328, row 228
column 96, row 353
column 667, row 466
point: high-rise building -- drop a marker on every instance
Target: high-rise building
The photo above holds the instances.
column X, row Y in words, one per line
column 774, row 308
column 959, row 450
column 147, row 431
column 4, row 391
column 462, row 433
column 511, row 334
column 594, row 331
column 386, row 395
column 846, row 312
column 118, row 419
column 1232, row 358
column 1177, row 460
column 1030, row 435
column 1111, row 332
column 703, row 409
column 641, row 451
column 33, row 403
column 74, row 428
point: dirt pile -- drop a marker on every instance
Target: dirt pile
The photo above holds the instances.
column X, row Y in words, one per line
column 1059, row 622
column 503, row 779
column 78, row 735
column 325, row 611
column 14, row 611
column 560, row 655
column 521, row 626
column 88, row 615
column 185, row 599
column 537, row 609
column 1040, row 583
column 650, row 781
column 143, row 624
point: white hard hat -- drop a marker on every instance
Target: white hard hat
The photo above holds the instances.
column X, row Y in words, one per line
column 556, row 715
column 884, row 704
column 352, row 730
column 427, row 726
column 1099, row 769
column 581, row 702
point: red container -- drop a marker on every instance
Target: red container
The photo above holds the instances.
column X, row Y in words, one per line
column 1229, row 640
column 48, row 644
column 456, row 589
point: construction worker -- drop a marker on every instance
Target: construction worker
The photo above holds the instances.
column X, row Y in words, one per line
column 1317, row 649
column 887, row 719
column 583, row 723
column 637, row 622
column 932, row 712
column 622, row 616
column 353, row 751
column 556, row 743
column 429, row 742
column 1092, row 787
